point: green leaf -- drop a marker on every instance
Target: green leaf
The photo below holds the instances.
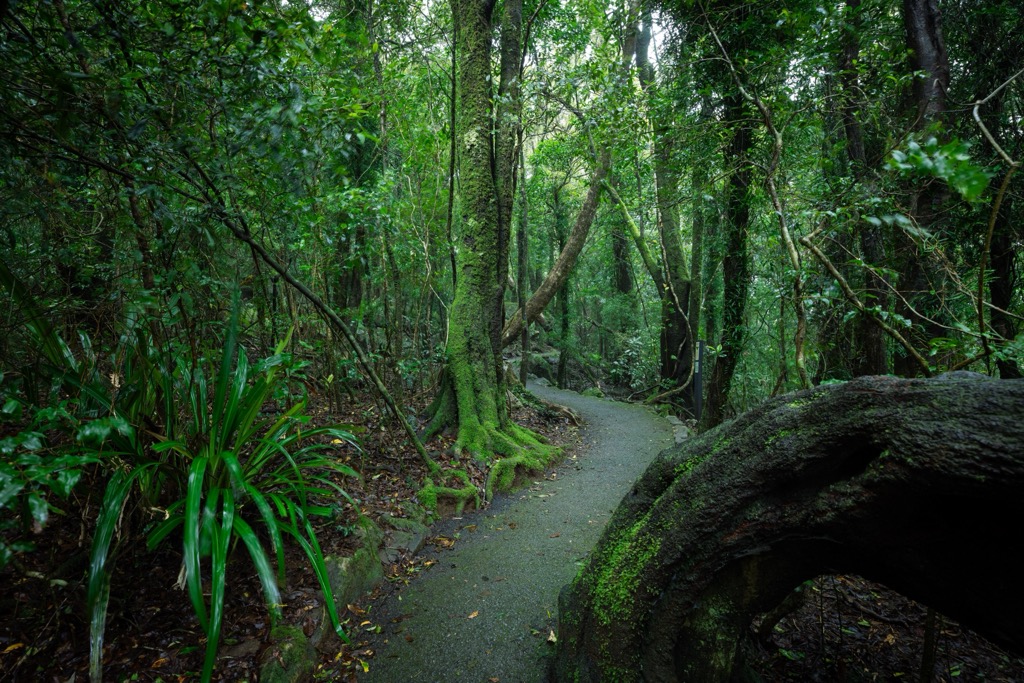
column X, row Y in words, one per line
column 98, row 430
column 98, row 593
column 38, row 509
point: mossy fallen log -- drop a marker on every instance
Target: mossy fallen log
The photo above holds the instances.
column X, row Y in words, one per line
column 916, row 484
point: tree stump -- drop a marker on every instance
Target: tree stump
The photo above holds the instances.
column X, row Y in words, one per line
column 917, row 484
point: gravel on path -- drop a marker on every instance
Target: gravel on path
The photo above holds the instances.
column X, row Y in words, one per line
column 483, row 612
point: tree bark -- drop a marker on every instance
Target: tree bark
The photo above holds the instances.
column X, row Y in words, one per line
column 473, row 389
column 566, row 259
column 735, row 265
column 870, row 355
column 912, row 483
column 473, row 393
column 677, row 333
column 927, row 49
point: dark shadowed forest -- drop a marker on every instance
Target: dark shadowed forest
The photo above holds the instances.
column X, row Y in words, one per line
column 274, row 275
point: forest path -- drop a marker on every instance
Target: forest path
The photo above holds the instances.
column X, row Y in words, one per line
column 483, row 612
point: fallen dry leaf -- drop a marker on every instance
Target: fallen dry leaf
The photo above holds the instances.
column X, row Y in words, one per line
column 474, row 615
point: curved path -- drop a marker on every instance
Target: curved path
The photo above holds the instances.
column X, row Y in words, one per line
column 483, row 612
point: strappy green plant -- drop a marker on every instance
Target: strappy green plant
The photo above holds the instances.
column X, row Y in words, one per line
column 225, row 457
column 246, row 468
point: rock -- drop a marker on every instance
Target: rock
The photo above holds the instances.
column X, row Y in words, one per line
column 406, row 539
column 352, row 577
column 290, row 659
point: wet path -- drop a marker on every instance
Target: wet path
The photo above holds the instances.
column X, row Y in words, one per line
column 483, row 613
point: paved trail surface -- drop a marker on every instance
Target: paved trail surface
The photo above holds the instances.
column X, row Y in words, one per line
column 507, row 571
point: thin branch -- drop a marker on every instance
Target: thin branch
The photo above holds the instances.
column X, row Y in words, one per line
column 851, row 296
column 994, row 214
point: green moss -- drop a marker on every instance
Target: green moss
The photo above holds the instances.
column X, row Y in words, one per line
column 712, row 626
column 687, row 466
column 291, row 659
column 619, row 571
column 800, row 402
column 524, row 451
column 431, row 494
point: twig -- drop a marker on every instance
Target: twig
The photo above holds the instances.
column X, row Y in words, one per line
column 994, row 214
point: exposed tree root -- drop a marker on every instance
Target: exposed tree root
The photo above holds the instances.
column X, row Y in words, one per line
column 507, row 448
column 431, row 494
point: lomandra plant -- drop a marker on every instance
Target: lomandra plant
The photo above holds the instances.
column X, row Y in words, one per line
column 230, row 464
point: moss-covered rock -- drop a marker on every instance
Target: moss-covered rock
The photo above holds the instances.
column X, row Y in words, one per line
column 879, row 476
column 353, row 577
column 289, row 659
column 407, row 537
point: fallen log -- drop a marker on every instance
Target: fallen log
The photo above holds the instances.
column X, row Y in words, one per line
column 917, row 484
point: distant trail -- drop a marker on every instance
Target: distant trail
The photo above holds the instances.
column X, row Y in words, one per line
column 508, row 570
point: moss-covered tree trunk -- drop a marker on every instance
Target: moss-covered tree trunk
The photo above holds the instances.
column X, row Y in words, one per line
column 912, row 483
column 473, row 392
column 472, row 395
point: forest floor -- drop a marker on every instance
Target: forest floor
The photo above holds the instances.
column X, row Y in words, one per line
column 508, row 561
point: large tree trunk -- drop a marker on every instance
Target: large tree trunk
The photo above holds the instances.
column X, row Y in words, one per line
column 473, row 392
column 870, row 355
column 922, row 285
column 912, row 483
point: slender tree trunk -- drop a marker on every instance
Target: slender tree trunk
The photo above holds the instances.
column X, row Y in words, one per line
column 523, row 271
column 1003, row 259
column 566, row 260
column 927, row 49
column 623, row 275
column 735, row 265
column 677, row 333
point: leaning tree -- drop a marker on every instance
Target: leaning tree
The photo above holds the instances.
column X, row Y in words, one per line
column 912, row 483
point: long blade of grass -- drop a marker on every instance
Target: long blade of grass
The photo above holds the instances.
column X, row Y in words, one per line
column 238, row 479
column 191, row 537
column 98, row 592
column 221, row 541
column 311, row 547
column 264, row 570
column 52, row 346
